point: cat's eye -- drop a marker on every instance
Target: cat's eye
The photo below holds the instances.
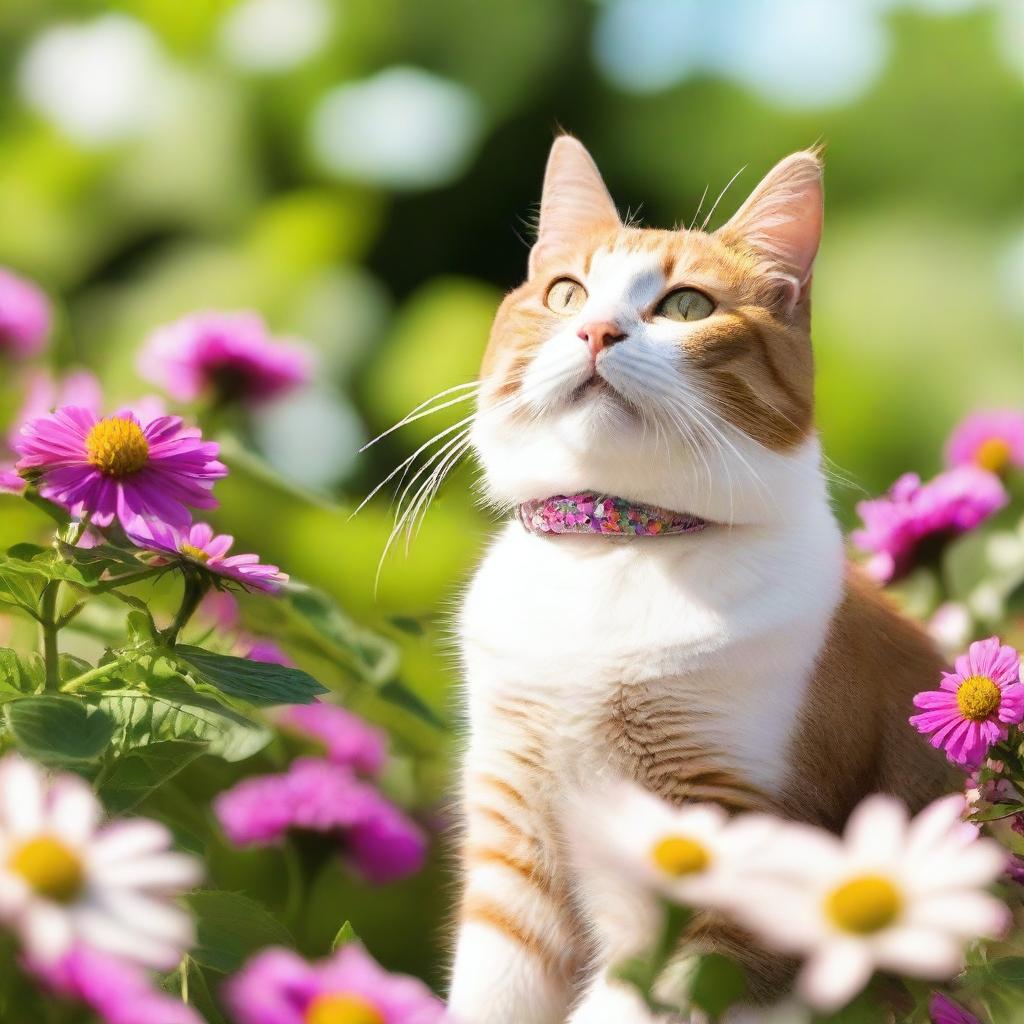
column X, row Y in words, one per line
column 685, row 304
column 565, row 296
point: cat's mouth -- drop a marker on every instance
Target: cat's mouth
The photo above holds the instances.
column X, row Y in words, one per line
column 595, row 385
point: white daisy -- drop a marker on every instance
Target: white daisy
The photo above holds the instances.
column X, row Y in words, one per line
column 67, row 877
column 690, row 854
column 896, row 894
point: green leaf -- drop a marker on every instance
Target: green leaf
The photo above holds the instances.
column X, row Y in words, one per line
column 717, row 984
column 231, row 927
column 103, row 557
column 407, row 624
column 254, row 681
column 1009, row 970
column 19, row 675
column 141, row 770
column 69, row 666
column 200, row 995
column 20, row 588
column 179, row 713
column 58, row 729
column 372, row 657
column 346, row 934
column 397, row 693
column 997, row 811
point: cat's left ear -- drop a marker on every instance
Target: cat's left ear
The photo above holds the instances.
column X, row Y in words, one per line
column 574, row 202
column 782, row 218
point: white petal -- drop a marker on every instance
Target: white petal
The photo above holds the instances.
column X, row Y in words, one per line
column 127, row 839
column 875, row 831
column 21, row 796
column 167, row 871
column 784, row 915
column 154, row 917
column 73, row 812
column 965, row 912
column 934, row 824
column 45, row 931
column 835, row 974
column 976, row 865
column 101, row 931
column 14, row 894
column 920, row 952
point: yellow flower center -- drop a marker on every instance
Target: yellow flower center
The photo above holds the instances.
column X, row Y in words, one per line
column 191, row 551
column 864, row 905
column 993, row 454
column 678, row 856
column 342, row 1010
column 977, row 697
column 117, row 447
column 49, row 867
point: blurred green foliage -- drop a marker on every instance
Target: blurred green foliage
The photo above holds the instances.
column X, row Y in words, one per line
column 918, row 309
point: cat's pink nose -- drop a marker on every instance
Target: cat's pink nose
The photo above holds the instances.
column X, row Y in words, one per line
column 600, row 334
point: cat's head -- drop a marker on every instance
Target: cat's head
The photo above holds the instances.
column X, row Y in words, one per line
column 666, row 366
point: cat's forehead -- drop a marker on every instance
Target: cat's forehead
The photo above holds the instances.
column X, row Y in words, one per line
column 639, row 257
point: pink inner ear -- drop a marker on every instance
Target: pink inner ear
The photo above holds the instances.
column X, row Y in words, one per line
column 575, row 201
column 783, row 216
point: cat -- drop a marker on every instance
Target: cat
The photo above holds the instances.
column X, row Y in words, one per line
column 743, row 663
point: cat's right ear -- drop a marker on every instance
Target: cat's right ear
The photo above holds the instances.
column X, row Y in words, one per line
column 574, row 202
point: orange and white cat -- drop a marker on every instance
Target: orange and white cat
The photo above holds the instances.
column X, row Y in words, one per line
column 744, row 663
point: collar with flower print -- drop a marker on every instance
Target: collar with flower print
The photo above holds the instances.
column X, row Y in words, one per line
column 590, row 513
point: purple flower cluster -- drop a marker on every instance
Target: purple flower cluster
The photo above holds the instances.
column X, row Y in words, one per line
column 375, row 836
column 601, row 514
column 118, row 992
column 279, row 987
column 24, row 316
column 224, row 356
column 897, row 525
column 347, row 739
column 992, row 439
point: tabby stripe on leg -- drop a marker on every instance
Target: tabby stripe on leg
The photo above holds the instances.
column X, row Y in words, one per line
column 482, row 910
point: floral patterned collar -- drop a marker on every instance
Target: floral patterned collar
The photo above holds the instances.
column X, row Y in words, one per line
column 591, row 513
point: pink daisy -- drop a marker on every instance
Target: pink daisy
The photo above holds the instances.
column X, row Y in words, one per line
column 278, row 987
column 24, row 316
column 199, row 545
column 117, row 992
column 347, row 739
column 992, row 439
column 943, row 1010
column 115, row 466
column 317, row 796
column 226, row 356
column 975, row 705
column 912, row 513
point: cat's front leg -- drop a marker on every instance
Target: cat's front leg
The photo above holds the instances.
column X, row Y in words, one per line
column 516, row 940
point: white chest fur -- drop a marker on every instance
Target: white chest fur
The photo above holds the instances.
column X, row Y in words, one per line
column 728, row 621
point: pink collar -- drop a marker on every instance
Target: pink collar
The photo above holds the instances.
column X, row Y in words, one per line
column 591, row 513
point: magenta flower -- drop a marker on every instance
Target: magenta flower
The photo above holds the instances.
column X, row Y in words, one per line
column 943, row 1010
column 912, row 513
column 220, row 607
column 347, row 739
column 226, row 356
column 24, row 316
column 278, row 987
column 116, row 467
column 117, row 992
column 315, row 795
column 975, row 705
column 270, row 653
column 199, row 545
column 11, row 482
column 991, row 439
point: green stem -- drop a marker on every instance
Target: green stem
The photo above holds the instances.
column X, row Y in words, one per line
column 195, row 590
column 48, row 622
column 87, row 677
column 126, row 580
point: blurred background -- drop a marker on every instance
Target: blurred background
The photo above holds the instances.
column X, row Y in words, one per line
column 362, row 172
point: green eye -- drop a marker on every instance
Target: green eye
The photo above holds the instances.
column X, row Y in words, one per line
column 685, row 304
column 565, row 296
